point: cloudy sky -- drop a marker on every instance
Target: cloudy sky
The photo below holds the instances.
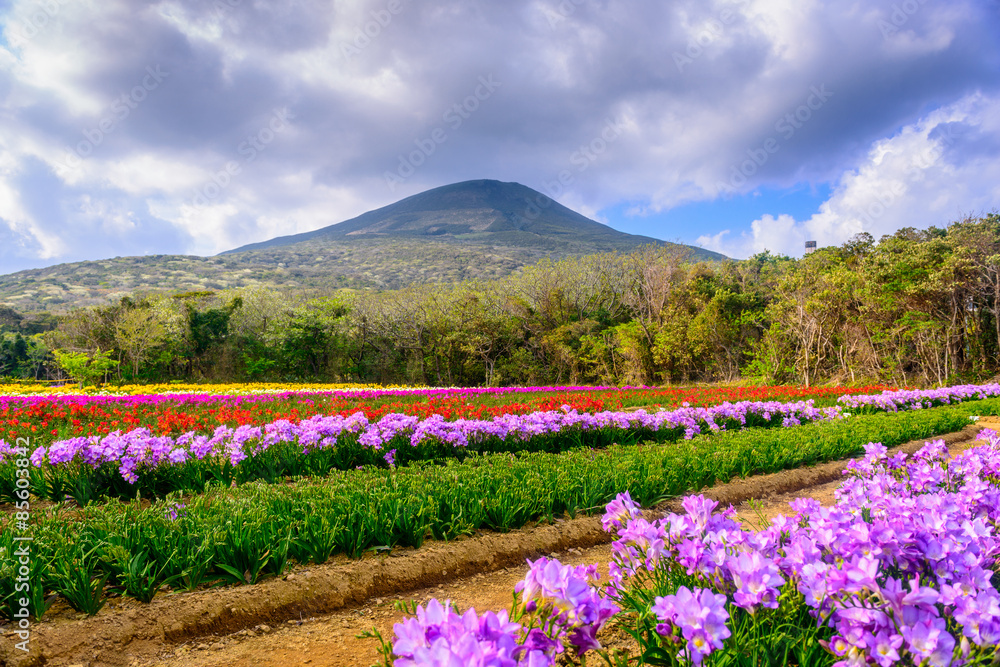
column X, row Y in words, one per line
column 193, row 126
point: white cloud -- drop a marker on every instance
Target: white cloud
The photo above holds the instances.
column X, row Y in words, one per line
column 766, row 233
column 207, row 225
column 107, row 218
column 564, row 73
column 51, row 56
column 148, row 174
column 921, row 176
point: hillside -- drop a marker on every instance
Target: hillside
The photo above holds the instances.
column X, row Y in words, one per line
column 482, row 212
column 369, row 263
column 471, row 230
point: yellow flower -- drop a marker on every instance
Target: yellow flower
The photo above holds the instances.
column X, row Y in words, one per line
column 185, row 388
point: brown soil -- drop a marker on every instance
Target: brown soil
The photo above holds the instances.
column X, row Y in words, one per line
column 312, row 615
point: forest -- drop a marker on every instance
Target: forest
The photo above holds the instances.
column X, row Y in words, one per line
column 918, row 307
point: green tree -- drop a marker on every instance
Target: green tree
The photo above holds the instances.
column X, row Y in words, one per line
column 137, row 332
column 86, row 367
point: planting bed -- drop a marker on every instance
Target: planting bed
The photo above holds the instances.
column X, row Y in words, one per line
column 331, row 604
column 277, row 494
column 332, row 639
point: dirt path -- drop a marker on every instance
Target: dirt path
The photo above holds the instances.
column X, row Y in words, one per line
column 312, row 616
column 331, row 640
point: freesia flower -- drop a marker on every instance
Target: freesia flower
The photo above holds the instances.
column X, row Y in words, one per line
column 757, row 581
column 565, row 595
column 701, row 617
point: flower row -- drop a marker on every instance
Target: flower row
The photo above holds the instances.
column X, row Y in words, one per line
column 60, row 417
column 139, row 449
column 153, row 391
column 898, row 571
column 139, row 446
column 913, row 399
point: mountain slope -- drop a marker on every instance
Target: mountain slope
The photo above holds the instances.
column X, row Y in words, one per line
column 473, row 230
column 478, row 212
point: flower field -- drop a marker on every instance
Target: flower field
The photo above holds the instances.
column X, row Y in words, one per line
column 153, row 444
column 139, row 461
column 900, row 571
column 175, row 409
column 148, row 493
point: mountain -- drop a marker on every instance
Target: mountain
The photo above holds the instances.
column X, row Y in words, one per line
column 482, row 212
column 472, row 230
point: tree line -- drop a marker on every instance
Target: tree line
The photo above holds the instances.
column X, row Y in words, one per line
column 915, row 307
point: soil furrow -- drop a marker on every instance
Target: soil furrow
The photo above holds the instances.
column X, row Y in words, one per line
column 252, row 625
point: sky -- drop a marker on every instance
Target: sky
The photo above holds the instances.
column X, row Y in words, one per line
column 196, row 126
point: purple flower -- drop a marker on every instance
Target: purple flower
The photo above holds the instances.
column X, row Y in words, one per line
column 563, row 594
column 699, row 509
column 37, row 457
column 619, row 511
column 646, row 537
column 439, row 636
column 701, row 617
column 884, row 648
column 757, row 581
column 928, row 639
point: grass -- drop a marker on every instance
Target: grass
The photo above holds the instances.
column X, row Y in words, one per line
column 242, row 534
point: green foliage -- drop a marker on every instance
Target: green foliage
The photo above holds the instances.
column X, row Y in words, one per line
column 83, row 367
column 23, row 357
column 14, row 585
column 240, row 534
column 138, row 573
column 77, row 577
column 914, row 308
column 11, row 321
column 208, row 327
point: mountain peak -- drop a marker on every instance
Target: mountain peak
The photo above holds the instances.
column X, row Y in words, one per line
column 475, row 230
column 480, row 212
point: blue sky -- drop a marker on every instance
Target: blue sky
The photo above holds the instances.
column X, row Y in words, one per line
column 711, row 217
column 133, row 127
